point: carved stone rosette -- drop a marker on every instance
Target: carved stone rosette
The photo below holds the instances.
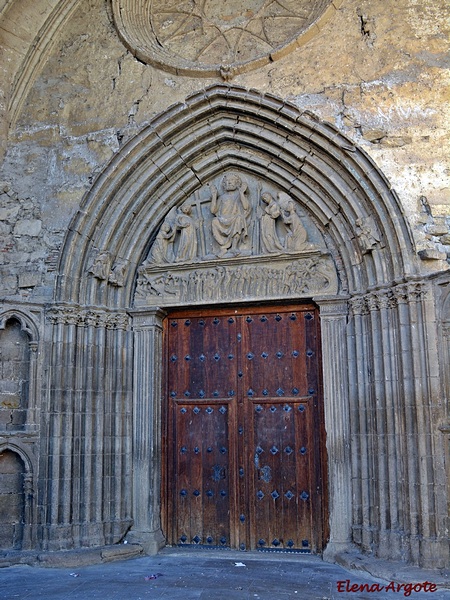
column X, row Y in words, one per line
column 210, row 38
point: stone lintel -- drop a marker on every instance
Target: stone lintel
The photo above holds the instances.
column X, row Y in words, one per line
column 270, row 277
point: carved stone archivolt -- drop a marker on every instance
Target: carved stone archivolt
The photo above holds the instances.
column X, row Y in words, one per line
column 217, row 38
column 235, row 238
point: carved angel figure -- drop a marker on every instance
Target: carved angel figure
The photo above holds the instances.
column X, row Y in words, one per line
column 162, row 249
column 231, row 210
column 296, row 236
column 184, row 223
column 269, row 237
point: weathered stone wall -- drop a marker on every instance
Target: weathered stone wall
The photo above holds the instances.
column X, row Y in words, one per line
column 375, row 70
column 72, row 96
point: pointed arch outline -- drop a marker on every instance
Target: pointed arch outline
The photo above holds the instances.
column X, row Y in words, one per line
column 27, row 323
column 29, row 491
column 28, row 463
column 225, row 127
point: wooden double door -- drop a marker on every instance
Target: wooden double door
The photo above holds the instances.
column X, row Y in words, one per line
column 244, row 437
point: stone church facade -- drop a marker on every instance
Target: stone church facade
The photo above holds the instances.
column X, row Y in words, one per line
column 224, row 276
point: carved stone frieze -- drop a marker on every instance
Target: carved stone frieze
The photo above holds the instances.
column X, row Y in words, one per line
column 222, row 280
column 413, row 291
column 88, row 318
column 235, row 238
column 359, row 305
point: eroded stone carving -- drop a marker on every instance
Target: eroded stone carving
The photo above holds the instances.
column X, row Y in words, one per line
column 162, row 249
column 80, row 317
column 304, row 276
column 101, row 265
column 184, row 223
column 235, row 221
column 117, row 275
column 231, row 210
column 104, row 268
column 368, row 234
column 296, row 234
column 270, row 241
column 388, row 299
column 215, row 38
column 205, row 250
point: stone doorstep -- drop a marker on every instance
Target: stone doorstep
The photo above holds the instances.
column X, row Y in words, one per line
column 352, row 561
column 81, row 557
column 392, row 570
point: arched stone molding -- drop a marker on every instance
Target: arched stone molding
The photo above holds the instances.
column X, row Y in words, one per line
column 377, row 389
column 26, row 321
column 230, row 127
column 29, row 491
column 26, row 53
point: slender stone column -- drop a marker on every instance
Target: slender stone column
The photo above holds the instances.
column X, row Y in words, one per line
column 333, row 317
column 147, row 326
column 360, row 421
column 32, row 408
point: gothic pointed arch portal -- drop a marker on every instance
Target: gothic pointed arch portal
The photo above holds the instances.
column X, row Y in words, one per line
column 315, row 221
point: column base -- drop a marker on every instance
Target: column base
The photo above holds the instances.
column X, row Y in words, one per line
column 151, row 541
column 335, row 550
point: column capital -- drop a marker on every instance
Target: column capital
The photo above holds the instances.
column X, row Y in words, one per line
column 147, row 318
column 336, row 306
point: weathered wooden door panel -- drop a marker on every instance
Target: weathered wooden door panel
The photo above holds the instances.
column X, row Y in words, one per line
column 201, row 488
column 202, row 390
column 280, row 369
column 244, row 429
column 280, row 467
column 274, row 355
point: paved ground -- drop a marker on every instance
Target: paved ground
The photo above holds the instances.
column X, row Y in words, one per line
column 206, row 575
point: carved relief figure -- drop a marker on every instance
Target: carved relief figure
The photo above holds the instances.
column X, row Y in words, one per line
column 187, row 247
column 101, row 266
column 228, row 224
column 269, row 237
column 162, row 249
column 231, row 210
column 117, row 275
column 296, row 236
column 367, row 233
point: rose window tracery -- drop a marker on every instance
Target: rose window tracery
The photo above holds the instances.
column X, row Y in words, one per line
column 207, row 37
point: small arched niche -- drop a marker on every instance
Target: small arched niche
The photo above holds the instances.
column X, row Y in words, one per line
column 12, row 500
column 14, row 374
